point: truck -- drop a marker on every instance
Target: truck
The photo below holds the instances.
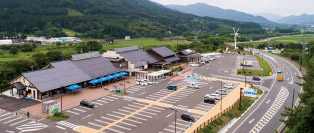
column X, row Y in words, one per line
column 279, row 78
column 248, row 63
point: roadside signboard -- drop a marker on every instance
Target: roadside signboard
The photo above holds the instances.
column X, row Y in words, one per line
column 250, row 92
column 54, row 108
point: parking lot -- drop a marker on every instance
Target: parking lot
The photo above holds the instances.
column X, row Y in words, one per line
column 255, row 63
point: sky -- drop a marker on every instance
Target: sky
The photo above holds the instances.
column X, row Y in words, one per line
column 279, row 7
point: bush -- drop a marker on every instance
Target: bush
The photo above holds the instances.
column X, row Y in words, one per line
column 58, row 116
column 230, row 115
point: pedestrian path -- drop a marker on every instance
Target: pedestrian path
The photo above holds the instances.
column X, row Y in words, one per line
column 135, row 89
column 280, row 99
column 31, row 127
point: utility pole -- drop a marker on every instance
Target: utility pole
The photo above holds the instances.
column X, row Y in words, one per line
column 177, row 42
column 245, row 76
column 124, row 85
column 61, row 97
column 221, row 96
column 142, row 47
column 175, row 121
column 240, row 98
column 292, row 98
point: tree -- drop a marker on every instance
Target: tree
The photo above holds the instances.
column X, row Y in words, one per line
column 14, row 50
column 54, row 55
column 23, row 36
column 40, row 59
column 1, row 53
column 58, row 44
column 26, row 47
column 94, row 46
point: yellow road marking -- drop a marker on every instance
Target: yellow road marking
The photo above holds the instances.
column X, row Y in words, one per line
column 83, row 129
column 155, row 103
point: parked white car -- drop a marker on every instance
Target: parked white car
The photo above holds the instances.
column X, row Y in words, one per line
column 193, row 85
column 193, row 64
column 215, row 95
column 144, row 82
column 229, row 86
column 221, row 91
column 202, row 62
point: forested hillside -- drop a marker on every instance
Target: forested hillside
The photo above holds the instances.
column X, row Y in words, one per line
column 116, row 18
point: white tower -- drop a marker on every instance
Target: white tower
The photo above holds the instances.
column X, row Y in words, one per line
column 236, row 34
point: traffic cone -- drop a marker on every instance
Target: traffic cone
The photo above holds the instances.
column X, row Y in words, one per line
column 36, row 120
column 6, row 110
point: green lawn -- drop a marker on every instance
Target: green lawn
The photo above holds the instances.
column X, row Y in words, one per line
column 73, row 12
column 295, row 39
column 223, row 120
column 70, row 33
column 265, row 72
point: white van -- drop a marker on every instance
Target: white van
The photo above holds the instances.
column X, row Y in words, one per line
column 193, row 85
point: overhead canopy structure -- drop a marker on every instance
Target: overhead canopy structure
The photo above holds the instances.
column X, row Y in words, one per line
column 74, row 87
column 19, row 86
column 94, row 81
column 159, row 73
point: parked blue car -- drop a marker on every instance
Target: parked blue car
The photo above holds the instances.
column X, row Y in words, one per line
column 172, row 87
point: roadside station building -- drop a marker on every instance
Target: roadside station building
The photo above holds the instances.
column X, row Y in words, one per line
column 189, row 56
column 64, row 76
column 165, row 56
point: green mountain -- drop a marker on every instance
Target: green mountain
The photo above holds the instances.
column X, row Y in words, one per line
column 116, row 18
column 201, row 9
column 302, row 19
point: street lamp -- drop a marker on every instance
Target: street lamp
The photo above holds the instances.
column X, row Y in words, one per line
column 240, row 98
column 221, row 96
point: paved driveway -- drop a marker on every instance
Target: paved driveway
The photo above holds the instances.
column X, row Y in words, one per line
column 12, row 104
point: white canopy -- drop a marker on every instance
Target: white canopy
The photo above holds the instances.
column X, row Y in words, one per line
column 161, row 72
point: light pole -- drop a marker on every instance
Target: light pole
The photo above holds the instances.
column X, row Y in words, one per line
column 221, row 96
column 292, row 98
column 61, row 97
column 124, row 85
column 240, row 98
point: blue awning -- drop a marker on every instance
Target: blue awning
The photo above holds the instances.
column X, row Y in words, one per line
column 103, row 79
column 74, row 87
column 117, row 75
column 94, row 81
column 110, row 77
column 124, row 73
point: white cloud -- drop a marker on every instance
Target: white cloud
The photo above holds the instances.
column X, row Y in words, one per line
column 280, row 7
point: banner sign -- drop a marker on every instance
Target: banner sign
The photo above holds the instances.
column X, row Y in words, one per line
column 54, row 108
column 250, row 92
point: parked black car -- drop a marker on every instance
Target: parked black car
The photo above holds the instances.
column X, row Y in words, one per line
column 187, row 117
column 86, row 103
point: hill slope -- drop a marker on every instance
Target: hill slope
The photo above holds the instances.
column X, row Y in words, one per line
column 117, row 18
column 201, row 9
column 302, row 19
column 270, row 16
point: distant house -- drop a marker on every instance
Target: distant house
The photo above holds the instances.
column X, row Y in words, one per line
column 6, row 42
column 189, row 55
column 127, row 37
column 165, row 55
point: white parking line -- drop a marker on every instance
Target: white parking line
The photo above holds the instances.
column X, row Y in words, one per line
column 153, row 110
column 178, row 123
column 139, row 118
column 97, row 103
column 79, row 110
column 128, row 124
column 94, row 124
column 143, row 115
column 83, row 107
column 18, row 122
column 108, row 118
column 114, row 130
column 60, row 127
column 106, row 99
column 139, row 104
column 134, row 121
column 130, row 108
column 12, row 120
column 176, row 100
column 101, row 101
column 119, row 113
column 172, row 97
column 5, row 114
column 113, row 97
column 134, row 106
column 168, row 101
column 122, row 127
column 87, row 116
column 203, row 105
column 148, row 113
column 102, row 121
column 115, row 116
column 177, row 127
column 151, row 98
column 72, row 112
column 169, row 130
column 201, row 108
column 125, row 111
column 157, row 108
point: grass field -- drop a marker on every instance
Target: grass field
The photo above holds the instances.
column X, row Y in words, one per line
column 295, row 39
column 118, row 44
column 265, row 72
column 70, row 33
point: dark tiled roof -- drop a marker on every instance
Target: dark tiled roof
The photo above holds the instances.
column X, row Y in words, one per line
column 126, row 49
column 139, row 58
column 19, row 86
column 187, row 52
column 65, row 73
column 163, row 51
column 171, row 59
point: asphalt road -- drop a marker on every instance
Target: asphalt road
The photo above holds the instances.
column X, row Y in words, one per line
column 265, row 115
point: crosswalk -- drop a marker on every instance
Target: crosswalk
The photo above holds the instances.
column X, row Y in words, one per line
column 98, row 102
column 64, row 124
column 280, row 99
column 21, row 123
column 129, row 98
column 128, row 124
column 31, row 127
column 180, row 107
